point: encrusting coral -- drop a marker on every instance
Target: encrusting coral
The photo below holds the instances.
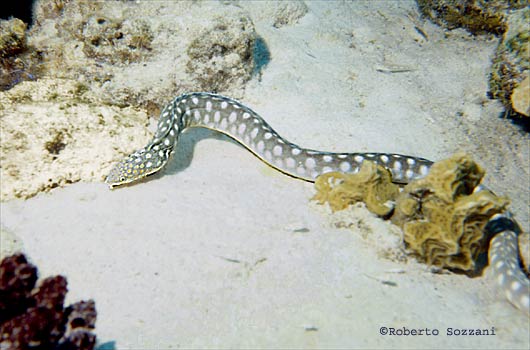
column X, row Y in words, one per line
column 441, row 217
column 34, row 318
column 371, row 185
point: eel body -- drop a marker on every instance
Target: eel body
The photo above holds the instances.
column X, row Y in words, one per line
column 242, row 124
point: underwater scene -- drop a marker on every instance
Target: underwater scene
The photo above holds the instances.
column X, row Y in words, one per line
column 264, row 174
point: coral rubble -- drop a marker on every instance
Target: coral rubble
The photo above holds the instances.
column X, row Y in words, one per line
column 33, row 317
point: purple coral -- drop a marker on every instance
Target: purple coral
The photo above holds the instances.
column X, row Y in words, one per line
column 34, row 317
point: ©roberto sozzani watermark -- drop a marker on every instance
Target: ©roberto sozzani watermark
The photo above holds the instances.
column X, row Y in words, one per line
column 448, row 331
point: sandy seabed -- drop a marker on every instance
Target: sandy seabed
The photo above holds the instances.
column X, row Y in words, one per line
column 220, row 251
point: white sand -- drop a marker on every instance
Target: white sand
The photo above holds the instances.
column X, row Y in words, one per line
column 219, row 251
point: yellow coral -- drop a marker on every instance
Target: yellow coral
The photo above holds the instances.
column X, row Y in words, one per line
column 442, row 218
column 372, row 185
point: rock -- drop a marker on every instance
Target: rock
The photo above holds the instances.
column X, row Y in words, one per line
column 477, row 16
column 277, row 13
column 54, row 133
column 13, row 43
column 12, row 37
column 221, row 55
column 521, row 97
column 511, row 64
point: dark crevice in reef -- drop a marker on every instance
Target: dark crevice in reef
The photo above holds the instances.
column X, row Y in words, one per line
column 21, row 9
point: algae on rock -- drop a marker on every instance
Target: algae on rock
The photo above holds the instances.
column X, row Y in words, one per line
column 478, row 16
column 511, row 65
column 134, row 53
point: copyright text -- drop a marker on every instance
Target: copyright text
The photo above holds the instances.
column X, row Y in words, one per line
column 449, row 331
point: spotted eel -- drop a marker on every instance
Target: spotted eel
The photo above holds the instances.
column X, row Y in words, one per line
column 242, row 124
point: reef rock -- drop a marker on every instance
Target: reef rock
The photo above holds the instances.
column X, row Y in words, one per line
column 511, row 64
column 14, row 66
column 143, row 53
column 12, row 37
column 521, row 96
column 54, row 133
column 277, row 13
column 477, row 16
column 221, row 55
column 100, row 70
